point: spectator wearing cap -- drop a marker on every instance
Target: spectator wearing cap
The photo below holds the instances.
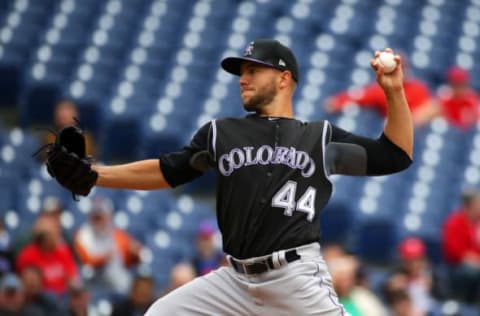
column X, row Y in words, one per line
column 208, row 256
column 12, row 298
column 110, row 251
column 419, row 275
column 79, row 298
column 141, row 296
column 419, row 96
column 51, row 255
column 459, row 103
column 461, row 248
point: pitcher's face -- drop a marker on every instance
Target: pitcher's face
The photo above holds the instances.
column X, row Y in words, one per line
column 258, row 85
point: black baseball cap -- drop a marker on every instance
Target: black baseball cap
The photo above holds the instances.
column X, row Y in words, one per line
column 267, row 52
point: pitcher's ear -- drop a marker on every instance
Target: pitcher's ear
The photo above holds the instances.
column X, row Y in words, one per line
column 286, row 78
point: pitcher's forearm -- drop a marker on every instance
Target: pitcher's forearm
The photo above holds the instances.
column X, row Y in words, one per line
column 139, row 175
column 399, row 124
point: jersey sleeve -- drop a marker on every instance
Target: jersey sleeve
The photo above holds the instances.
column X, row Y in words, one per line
column 382, row 156
column 346, row 159
column 190, row 162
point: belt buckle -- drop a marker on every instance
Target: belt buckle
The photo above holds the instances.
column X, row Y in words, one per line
column 245, row 267
column 239, row 266
column 249, row 266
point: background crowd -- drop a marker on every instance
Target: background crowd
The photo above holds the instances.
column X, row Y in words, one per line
column 141, row 76
column 47, row 270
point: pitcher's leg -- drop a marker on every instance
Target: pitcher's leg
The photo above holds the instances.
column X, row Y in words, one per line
column 305, row 289
column 215, row 294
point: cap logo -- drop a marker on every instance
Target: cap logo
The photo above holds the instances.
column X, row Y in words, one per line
column 282, row 63
column 249, row 50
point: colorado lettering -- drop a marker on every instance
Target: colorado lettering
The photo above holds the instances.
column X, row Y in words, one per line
column 265, row 155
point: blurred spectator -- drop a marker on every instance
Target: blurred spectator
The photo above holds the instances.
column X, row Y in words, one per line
column 79, row 300
column 64, row 115
column 363, row 293
column 140, row 298
column 32, row 280
column 418, row 95
column 12, row 298
column 110, row 251
column 181, row 274
column 397, row 281
column 52, row 209
column 395, row 293
column 401, row 304
column 351, row 277
column 51, row 255
column 6, row 252
column 357, row 300
column 461, row 247
column 333, row 251
column 414, row 263
column 459, row 103
column 208, row 256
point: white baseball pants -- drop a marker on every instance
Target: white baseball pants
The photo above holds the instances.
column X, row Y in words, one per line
column 302, row 287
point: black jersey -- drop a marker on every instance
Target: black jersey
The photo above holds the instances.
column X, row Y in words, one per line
column 272, row 179
column 271, row 183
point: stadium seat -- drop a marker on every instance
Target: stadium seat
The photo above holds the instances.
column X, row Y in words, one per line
column 375, row 241
column 336, row 222
column 37, row 106
column 121, row 140
column 10, row 83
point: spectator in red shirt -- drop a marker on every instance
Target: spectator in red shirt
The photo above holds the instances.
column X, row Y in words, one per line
column 51, row 255
column 459, row 103
column 461, row 247
column 52, row 208
column 418, row 95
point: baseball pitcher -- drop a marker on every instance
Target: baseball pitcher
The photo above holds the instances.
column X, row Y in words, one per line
column 273, row 180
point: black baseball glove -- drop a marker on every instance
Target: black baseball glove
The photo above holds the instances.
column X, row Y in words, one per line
column 68, row 163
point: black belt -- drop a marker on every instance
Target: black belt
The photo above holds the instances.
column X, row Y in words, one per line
column 263, row 265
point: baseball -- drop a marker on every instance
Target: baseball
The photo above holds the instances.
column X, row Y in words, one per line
column 388, row 61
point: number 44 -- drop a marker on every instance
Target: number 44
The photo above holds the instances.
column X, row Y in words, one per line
column 285, row 198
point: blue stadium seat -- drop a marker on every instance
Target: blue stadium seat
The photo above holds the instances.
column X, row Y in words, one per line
column 434, row 248
column 375, row 241
column 121, row 140
column 336, row 222
column 321, row 11
column 10, row 82
column 37, row 106
column 8, row 194
column 166, row 140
